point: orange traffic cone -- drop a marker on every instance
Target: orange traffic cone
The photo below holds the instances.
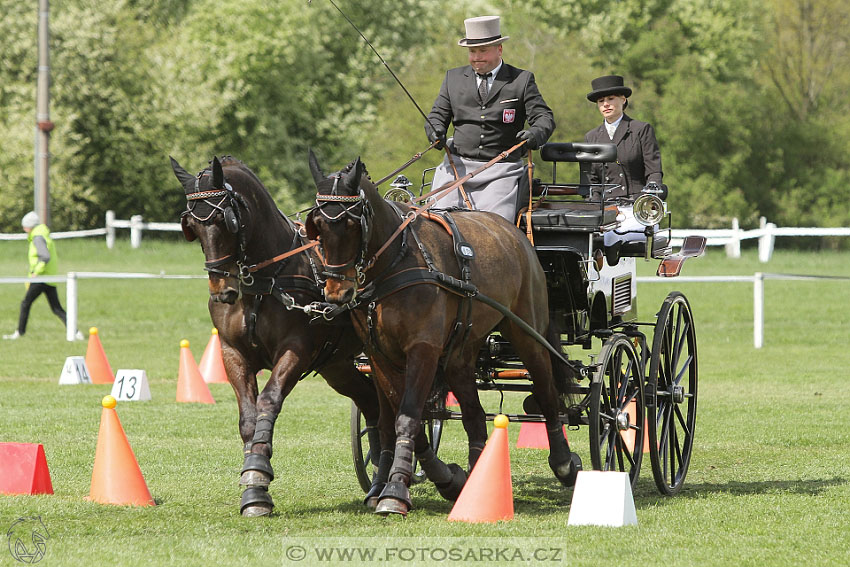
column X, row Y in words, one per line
column 488, row 494
column 190, row 384
column 451, row 400
column 629, row 434
column 532, row 435
column 212, row 364
column 116, row 478
column 99, row 369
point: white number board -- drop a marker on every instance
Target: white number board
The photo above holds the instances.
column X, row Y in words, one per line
column 75, row 371
column 131, row 386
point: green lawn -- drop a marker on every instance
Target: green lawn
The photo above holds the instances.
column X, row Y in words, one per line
column 769, row 483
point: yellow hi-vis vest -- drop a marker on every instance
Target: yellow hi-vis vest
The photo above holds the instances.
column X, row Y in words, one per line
column 37, row 267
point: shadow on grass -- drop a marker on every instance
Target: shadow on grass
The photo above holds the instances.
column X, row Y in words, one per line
column 808, row 487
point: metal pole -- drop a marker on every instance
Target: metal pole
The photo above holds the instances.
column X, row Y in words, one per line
column 758, row 310
column 71, row 303
column 42, row 196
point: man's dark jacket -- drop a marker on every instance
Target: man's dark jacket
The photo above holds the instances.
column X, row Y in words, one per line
column 482, row 133
column 638, row 156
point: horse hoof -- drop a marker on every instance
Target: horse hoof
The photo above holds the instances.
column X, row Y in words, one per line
column 568, row 472
column 388, row 506
column 374, row 495
column 256, row 471
column 256, row 501
column 254, row 478
column 451, row 490
column 256, row 511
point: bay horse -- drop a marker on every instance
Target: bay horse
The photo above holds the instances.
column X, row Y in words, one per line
column 412, row 293
column 241, row 232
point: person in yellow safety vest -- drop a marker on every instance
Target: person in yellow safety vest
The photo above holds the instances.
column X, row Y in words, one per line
column 42, row 262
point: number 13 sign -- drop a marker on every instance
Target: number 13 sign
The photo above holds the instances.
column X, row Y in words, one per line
column 131, row 386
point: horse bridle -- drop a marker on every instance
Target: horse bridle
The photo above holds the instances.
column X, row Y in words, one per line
column 229, row 205
column 348, row 204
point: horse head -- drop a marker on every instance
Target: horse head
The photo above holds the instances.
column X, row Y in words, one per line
column 342, row 222
column 217, row 215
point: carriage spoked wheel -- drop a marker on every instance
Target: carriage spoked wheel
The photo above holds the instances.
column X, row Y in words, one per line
column 671, row 392
column 365, row 466
column 617, row 409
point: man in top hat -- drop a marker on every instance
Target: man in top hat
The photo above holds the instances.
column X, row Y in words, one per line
column 638, row 156
column 489, row 103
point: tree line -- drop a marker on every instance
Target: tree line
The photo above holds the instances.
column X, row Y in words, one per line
column 746, row 96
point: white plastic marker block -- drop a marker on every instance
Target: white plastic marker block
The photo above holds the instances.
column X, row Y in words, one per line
column 75, row 371
column 602, row 498
column 131, row 386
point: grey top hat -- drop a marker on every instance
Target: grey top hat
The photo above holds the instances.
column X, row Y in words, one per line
column 607, row 85
column 482, row 31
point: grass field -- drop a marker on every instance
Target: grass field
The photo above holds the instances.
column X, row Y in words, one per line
column 769, row 484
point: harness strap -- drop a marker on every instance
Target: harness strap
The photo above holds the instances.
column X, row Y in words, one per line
column 436, row 194
column 409, row 162
column 279, row 257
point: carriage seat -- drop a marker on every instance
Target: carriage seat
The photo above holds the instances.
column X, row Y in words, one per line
column 564, row 216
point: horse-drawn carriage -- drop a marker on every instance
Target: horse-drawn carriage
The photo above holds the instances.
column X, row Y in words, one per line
column 473, row 273
column 641, row 385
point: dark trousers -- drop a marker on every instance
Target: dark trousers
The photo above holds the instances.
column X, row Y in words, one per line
column 33, row 292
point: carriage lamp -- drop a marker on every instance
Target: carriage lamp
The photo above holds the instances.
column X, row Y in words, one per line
column 648, row 209
column 399, row 190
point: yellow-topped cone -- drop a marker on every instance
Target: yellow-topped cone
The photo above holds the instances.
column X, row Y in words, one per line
column 488, row 493
column 116, row 477
column 99, row 369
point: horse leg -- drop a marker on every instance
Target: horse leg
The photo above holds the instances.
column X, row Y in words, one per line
column 449, row 479
column 536, row 358
column 421, row 366
column 385, row 459
column 257, row 471
column 461, row 379
column 345, row 379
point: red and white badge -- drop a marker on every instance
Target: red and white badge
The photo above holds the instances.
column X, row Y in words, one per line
column 508, row 115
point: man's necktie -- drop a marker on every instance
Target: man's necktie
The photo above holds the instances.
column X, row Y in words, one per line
column 482, row 86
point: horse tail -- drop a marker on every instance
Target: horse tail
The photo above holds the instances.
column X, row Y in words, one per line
column 563, row 374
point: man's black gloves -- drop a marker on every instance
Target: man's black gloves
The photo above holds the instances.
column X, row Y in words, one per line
column 436, row 133
column 532, row 139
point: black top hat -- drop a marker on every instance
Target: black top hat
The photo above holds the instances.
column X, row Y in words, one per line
column 607, row 85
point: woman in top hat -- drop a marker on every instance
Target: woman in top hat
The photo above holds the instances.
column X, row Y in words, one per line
column 638, row 157
column 489, row 103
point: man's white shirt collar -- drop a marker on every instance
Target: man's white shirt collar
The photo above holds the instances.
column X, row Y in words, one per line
column 492, row 76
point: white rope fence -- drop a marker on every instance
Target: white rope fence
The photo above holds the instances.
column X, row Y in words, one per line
column 71, row 296
column 757, row 279
column 729, row 238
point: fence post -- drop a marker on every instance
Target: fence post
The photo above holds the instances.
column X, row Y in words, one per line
column 758, row 310
column 766, row 240
column 135, row 231
column 110, row 229
column 71, row 304
column 733, row 247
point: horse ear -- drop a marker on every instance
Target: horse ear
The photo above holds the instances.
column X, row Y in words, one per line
column 352, row 178
column 315, row 169
column 186, row 179
column 218, row 174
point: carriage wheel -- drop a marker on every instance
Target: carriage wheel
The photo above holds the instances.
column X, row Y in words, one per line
column 617, row 409
column 360, row 450
column 671, row 392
